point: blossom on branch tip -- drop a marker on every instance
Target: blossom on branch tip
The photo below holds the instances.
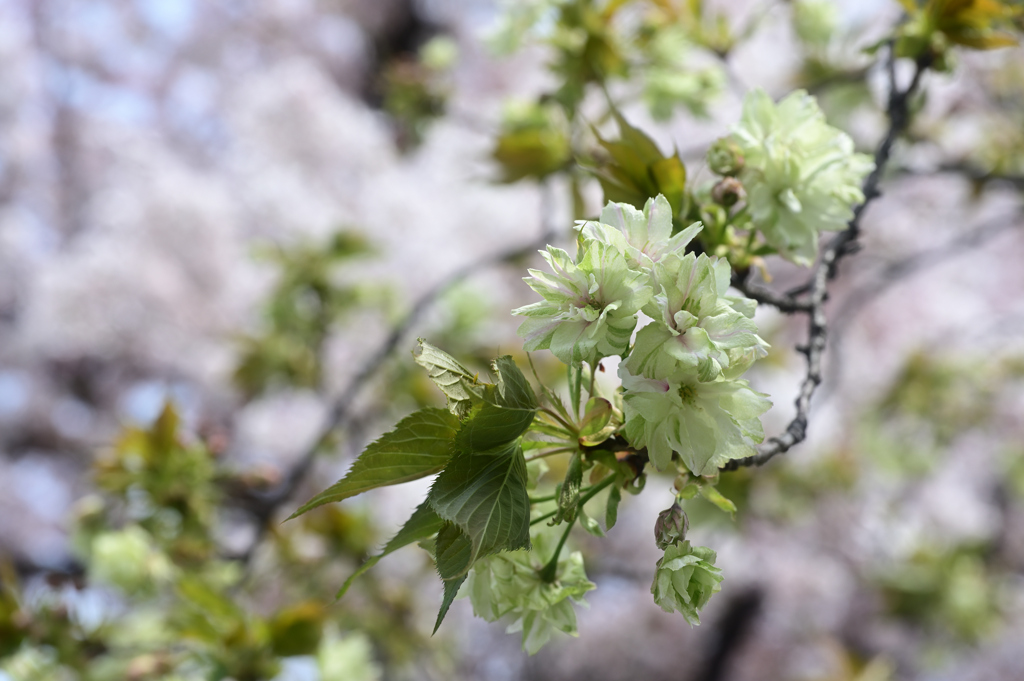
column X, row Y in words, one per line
column 589, row 307
column 802, row 176
column 706, row 424
column 685, row 580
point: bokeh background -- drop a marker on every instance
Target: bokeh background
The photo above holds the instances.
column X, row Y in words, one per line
column 230, row 206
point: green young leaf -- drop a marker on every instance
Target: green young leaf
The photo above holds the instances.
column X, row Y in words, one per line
column 453, row 552
column 507, row 412
column 484, row 494
column 420, row 445
column 493, row 426
column 422, row 524
column 670, row 177
column 637, row 139
column 611, row 512
column 638, row 171
column 451, row 590
column 597, row 425
column 514, row 391
column 454, row 380
column 569, row 494
column 712, row 494
column 589, row 524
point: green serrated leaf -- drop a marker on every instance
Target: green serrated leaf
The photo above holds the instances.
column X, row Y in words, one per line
column 451, row 590
column 453, row 552
column 611, row 511
column 569, row 494
column 715, row 497
column 507, row 412
column 422, row 524
column 460, row 386
column 484, row 494
column 514, row 391
column 493, row 426
column 420, row 445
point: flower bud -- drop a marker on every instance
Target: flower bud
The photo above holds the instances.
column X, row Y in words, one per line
column 725, row 157
column 671, row 526
column 728, row 192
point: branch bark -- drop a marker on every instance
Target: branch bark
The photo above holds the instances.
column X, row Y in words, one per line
column 843, row 244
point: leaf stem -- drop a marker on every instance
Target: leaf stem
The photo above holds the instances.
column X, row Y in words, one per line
column 750, row 241
column 548, row 572
column 553, row 414
column 543, row 517
column 560, row 450
column 552, row 497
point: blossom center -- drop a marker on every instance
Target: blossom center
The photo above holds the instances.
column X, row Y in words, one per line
column 688, row 394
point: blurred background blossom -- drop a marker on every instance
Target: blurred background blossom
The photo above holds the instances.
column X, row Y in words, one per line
column 227, row 207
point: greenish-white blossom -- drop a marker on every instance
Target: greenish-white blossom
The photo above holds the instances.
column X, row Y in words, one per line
column 696, row 326
column 706, row 424
column 509, row 586
column 589, row 305
column 643, row 237
column 802, row 176
column 685, row 579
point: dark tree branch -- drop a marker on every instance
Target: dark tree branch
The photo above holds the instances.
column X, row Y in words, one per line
column 843, row 244
column 785, row 302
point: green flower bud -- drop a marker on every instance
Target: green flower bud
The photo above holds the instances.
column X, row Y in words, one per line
column 725, row 157
column 685, row 579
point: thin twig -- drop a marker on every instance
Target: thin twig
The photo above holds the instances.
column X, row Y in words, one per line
column 842, row 244
column 762, row 294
